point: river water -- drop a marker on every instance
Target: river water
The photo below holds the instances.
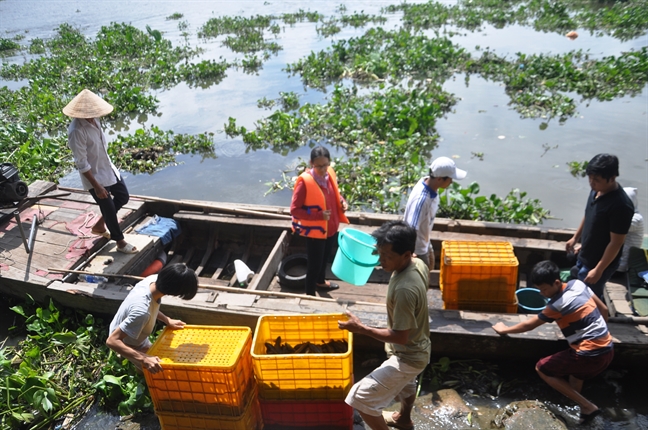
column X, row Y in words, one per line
column 518, row 153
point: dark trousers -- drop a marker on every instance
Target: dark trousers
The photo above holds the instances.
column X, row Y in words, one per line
column 318, row 252
column 117, row 197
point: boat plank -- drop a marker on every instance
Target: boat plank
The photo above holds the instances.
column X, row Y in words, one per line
column 109, row 261
column 270, row 223
column 263, row 279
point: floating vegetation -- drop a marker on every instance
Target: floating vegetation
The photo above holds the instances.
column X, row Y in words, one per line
column 386, row 135
column 578, row 169
column 244, row 34
column 534, row 82
column 148, row 150
column 458, row 202
column 8, row 45
column 381, row 54
column 61, row 368
column 175, row 16
column 301, row 16
column 623, row 19
column 122, row 63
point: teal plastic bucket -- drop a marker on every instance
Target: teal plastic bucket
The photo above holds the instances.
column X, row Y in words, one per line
column 354, row 260
column 530, row 301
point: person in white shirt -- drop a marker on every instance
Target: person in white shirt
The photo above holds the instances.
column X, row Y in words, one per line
column 423, row 203
column 136, row 317
column 98, row 174
column 636, row 232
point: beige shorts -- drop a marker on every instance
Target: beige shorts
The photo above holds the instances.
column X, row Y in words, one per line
column 393, row 380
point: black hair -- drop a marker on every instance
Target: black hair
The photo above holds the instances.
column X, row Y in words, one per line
column 431, row 175
column 399, row 234
column 604, row 165
column 177, row 280
column 545, row 272
column 320, row 151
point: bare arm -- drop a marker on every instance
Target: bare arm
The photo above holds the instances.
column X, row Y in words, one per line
column 116, row 342
column 571, row 243
column 522, row 327
column 386, row 335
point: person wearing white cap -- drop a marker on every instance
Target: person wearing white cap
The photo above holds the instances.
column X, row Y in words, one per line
column 423, row 203
column 636, row 232
column 98, row 174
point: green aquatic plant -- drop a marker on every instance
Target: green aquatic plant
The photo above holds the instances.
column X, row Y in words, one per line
column 379, row 55
column 175, row 16
column 620, row 19
column 8, row 45
column 386, row 137
column 301, row 16
column 54, row 371
column 578, row 168
column 122, row 63
column 148, row 150
column 458, row 202
column 360, row 19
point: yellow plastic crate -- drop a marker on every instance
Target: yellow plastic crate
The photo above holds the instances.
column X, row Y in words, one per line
column 206, row 370
column 478, row 272
column 509, row 308
column 302, row 376
column 251, row 419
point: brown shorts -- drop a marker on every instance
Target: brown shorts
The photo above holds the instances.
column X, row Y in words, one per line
column 568, row 363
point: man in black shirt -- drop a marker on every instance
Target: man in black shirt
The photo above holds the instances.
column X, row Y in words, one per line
column 607, row 219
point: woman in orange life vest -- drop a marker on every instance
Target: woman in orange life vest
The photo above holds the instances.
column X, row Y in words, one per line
column 317, row 210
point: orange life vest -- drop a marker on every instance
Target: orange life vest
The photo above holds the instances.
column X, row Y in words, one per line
column 315, row 201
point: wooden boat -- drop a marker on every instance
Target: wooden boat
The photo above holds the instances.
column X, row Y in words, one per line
column 215, row 234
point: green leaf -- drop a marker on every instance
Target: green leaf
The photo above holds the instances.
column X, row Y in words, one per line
column 64, row 338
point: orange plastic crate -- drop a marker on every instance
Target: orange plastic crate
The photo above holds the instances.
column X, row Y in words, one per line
column 206, row 370
column 304, row 414
column 302, row 376
column 250, row 420
column 510, row 308
column 478, row 272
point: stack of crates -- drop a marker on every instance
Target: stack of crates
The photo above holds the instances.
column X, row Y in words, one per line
column 300, row 391
column 207, row 380
column 479, row 276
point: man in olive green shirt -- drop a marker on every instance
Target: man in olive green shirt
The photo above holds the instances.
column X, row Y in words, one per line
column 407, row 336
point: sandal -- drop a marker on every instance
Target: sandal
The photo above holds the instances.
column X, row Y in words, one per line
column 128, row 249
column 104, row 233
column 329, row 286
column 391, row 422
column 586, row 418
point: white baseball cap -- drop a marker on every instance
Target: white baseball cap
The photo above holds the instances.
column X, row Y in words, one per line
column 444, row 166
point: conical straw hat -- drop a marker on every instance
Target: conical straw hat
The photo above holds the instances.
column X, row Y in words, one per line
column 87, row 105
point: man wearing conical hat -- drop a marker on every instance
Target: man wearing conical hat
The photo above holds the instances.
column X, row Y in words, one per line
column 98, row 174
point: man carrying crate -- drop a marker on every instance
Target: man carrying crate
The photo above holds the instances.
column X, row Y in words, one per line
column 135, row 319
column 407, row 336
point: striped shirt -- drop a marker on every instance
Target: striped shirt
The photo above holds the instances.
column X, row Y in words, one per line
column 420, row 211
column 579, row 319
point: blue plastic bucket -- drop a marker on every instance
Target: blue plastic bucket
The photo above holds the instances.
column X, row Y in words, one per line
column 354, row 260
column 530, row 301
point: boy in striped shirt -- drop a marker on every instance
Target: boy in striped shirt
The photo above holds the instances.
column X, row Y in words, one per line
column 582, row 318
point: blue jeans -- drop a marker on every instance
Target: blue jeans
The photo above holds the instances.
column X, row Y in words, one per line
column 600, row 284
